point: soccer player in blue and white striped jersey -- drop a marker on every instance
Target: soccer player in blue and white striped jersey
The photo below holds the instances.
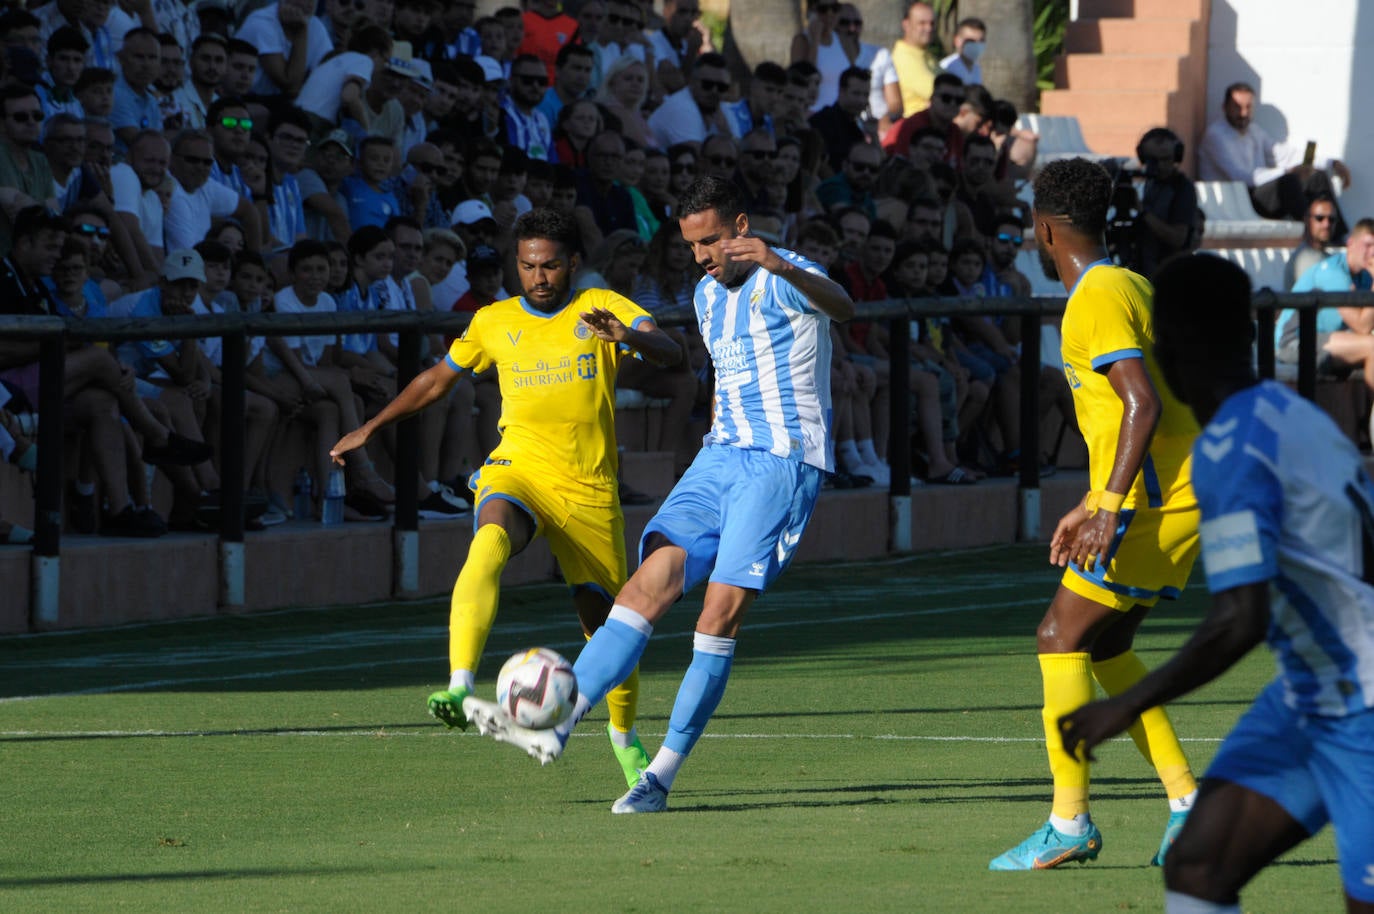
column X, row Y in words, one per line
column 736, row 516
column 1288, row 545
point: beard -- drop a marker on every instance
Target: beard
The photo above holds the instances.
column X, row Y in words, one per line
column 1047, row 263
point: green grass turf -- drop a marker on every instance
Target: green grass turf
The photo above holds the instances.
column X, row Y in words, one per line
column 879, row 743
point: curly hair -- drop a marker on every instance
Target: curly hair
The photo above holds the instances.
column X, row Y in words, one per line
column 1078, row 189
column 549, row 225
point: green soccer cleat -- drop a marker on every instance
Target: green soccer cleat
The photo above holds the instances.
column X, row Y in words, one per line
column 1176, row 820
column 633, row 759
column 447, row 706
column 1048, row 847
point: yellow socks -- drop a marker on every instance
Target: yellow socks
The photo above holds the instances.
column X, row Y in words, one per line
column 1068, row 683
column 622, row 703
column 472, row 609
column 1153, row 733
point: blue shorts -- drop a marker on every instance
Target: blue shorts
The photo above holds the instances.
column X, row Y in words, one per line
column 1319, row 769
column 739, row 515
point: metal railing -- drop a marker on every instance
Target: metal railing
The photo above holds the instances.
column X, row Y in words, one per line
column 55, row 333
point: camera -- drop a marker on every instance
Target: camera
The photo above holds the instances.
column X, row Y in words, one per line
column 1123, row 216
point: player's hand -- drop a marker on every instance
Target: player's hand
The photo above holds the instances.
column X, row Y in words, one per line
column 350, row 442
column 1093, row 539
column 605, row 325
column 198, row 389
column 1064, row 533
column 1092, row 725
column 750, row 249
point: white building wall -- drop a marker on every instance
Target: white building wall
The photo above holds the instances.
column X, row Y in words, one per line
column 1312, row 65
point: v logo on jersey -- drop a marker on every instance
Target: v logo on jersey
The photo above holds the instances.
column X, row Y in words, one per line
column 514, row 337
column 1215, row 450
column 1368, row 874
column 786, row 543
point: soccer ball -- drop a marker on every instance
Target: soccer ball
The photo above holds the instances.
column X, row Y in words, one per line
column 536, row 688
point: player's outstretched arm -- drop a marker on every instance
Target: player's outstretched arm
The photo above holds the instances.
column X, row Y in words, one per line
column 1237, row 621
column 427, row 387
column 828, row 296
column 646, row 339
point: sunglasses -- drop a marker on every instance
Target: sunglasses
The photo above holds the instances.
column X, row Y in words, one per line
column 1317, row 217
column 852, row 23
column 722, row 161
column 236, row 123
column 863, row 167
column 678, row 168
column 429, row 168
column 623, row 20
column 761, row 154
column 532, row 80
column 949, row 98
column 26, row 117
column 98, row 231
column 202, row 161
column 712, row 85
column 1014, row 239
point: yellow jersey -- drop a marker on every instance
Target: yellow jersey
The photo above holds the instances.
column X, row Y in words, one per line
column 1110, row 317
column 557, row 387
column 916, row 71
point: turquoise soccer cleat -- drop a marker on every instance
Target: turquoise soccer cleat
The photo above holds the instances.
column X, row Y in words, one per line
column 1176, row 820
column 447, row 706
column 633, row 759
column 647, row 795
column 1048, row 847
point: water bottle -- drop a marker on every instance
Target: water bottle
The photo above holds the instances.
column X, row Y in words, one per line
column 332, row 512
column 301, row 491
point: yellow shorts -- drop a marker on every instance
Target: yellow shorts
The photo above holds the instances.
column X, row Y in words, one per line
column 588, row 541
column 1150, row 557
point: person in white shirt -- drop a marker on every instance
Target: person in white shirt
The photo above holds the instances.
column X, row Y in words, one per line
column 197, row 201
column 209, row 60
column 1281, row 182
column 692, row 114
column 970, row 41
column 290, row 41
column 136, row 201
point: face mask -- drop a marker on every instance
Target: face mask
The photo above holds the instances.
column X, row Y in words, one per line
column 973, row 50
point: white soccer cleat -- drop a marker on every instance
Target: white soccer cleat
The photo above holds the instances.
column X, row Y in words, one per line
column 543, row 745
column 646, row 796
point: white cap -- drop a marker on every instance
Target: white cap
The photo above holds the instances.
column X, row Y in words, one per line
column 470, row 212
column 183, row 265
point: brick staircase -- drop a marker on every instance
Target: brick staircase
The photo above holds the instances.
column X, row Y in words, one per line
column 1130, row 65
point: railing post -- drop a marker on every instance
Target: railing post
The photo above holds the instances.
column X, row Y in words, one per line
column 1029, row 485
column 899, row 440
column 232, row 397
column 1265, row 319
column 1307, row 352
column 406, row 535
column 46, row 594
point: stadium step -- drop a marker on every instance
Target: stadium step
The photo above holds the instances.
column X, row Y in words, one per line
column 1144, row 9
column 1132, row 36
column 1121, row 71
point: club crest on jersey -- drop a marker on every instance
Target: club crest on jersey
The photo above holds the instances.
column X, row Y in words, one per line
column 754, row 298
column 582, row 331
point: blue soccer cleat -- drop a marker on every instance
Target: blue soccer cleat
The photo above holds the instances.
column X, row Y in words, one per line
column 1048, row 847
column 447, row 706
column 1176, row 820
column 647, row 795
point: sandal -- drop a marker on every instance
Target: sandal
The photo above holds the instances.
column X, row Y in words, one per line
column 955, row 477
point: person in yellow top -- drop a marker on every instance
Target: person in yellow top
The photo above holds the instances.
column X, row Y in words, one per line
column 915, row 62
column 556, row 354
column 1134, row 537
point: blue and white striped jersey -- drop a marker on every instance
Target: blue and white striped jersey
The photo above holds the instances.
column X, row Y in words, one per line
column 771, row 352
column 1285, row 498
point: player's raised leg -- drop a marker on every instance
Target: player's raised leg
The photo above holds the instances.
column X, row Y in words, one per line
column 503, row 529
column 1116, row 667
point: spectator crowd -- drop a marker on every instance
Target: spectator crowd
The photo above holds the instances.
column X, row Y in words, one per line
column 162, row 158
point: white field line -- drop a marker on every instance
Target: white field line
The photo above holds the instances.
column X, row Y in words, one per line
column 435, row 732
column 220, row 652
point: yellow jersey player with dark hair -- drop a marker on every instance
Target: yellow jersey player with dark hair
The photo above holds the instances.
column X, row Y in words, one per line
column 1134, row 537
column 556, row 354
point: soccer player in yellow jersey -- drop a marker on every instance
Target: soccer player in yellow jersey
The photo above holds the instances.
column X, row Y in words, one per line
column 556, row 354
column 1134, row 537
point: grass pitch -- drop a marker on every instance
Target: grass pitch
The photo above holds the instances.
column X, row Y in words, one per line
column 879, row 743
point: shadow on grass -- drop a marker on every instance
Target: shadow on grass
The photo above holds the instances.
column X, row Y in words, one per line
column 113, row 878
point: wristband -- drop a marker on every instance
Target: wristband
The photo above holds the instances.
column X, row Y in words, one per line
column 1103, row 501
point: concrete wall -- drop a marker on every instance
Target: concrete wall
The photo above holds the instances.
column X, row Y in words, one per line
column 1305, row 62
